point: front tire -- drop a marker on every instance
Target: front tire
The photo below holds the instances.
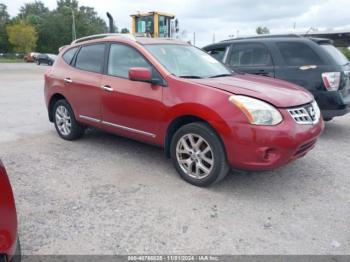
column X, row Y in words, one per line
column 198, row 154
column 66, row 125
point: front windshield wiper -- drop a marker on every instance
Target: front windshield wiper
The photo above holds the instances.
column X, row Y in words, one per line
column 196, row 77
column 221, row 75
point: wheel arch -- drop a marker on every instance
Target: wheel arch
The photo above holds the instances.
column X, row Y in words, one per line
column 54, row 98
column 217, row 124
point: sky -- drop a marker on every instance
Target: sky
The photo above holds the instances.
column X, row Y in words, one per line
column 222, row 19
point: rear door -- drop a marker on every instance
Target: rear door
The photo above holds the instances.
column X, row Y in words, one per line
column 84, row 82
column 252, row 58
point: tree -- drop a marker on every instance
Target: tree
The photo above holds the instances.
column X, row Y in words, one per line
column 22, row 36
column 125, row 31
column 34, row 14
column 36, row 8
column 345, row 51
column 4, row 20
column 262, row 30
column 56, row 27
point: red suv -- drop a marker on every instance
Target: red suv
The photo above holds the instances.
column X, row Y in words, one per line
column 9, row 244
column 173, row 95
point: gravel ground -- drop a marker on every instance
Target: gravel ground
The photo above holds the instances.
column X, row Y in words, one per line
column 105, row 194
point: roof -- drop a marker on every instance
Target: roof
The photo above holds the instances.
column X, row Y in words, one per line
column 152, row 13
column 148, row 40
column 278, row 37
column 130, row 37
column 338, row 38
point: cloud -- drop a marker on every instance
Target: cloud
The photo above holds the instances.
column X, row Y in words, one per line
column 225, row 17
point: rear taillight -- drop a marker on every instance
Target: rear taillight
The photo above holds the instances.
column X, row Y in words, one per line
column 331, row 80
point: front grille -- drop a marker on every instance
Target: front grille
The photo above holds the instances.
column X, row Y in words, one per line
column 306, row 115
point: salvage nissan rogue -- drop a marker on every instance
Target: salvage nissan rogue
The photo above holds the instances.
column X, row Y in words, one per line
column 174, row 95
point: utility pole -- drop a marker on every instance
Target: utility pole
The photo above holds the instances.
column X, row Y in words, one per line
column 74, row 33
column 194, row 38
column 214, row 38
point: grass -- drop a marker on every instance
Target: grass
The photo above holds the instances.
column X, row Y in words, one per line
column 10, row 60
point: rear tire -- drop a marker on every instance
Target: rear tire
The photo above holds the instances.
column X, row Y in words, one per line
column 198, row 154
column 66, row 125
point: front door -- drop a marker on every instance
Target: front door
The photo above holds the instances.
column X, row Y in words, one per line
column 131, row 108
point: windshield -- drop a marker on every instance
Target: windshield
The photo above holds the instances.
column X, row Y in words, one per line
column 336, row 54
column 187, row 61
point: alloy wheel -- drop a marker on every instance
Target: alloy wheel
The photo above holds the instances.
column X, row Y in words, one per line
column 63, row 120
column 195, row 156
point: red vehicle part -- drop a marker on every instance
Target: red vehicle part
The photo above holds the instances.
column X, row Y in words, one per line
column 153, row 112
column 8, row 217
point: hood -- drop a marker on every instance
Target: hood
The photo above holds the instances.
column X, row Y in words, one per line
column 277, row 92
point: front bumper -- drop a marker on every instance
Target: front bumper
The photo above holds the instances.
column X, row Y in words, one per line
column 251, row 147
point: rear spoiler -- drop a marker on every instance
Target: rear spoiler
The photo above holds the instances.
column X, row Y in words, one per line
column 322, row 41
column 61, row 48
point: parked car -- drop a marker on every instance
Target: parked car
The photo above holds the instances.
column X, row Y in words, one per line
column 48, row 59
column 10, row 249
column 176, row 96
column 30, row 57
column 312, row 63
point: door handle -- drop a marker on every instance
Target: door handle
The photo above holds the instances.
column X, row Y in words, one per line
column 68, row 80
column 107, row 88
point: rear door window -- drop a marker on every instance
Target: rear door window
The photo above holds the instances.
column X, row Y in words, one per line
column 218, row 53
column 250, row 54
column 298, row 54
column 91, row 58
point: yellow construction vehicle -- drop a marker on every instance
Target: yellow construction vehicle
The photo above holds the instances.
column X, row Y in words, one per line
column 153, row 24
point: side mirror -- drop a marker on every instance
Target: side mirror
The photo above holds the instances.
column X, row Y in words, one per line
column 142, row 74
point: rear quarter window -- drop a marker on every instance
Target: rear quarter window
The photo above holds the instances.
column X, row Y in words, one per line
column 337, row 56
column 298, row 54
column 68, row 55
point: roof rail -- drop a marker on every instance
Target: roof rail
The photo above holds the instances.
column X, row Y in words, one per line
column 263, row 36
column 92, row 37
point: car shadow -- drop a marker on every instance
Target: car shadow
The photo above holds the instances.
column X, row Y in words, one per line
column 335, row 131
column 269, row 184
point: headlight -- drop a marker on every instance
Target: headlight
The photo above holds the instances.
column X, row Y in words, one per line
column 257, row 111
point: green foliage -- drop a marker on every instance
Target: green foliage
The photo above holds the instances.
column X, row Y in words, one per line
column 22, row 36
column 4, row 20
column 262, row 30
column 54, row 28
column 125, row 31
column 345, row 51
